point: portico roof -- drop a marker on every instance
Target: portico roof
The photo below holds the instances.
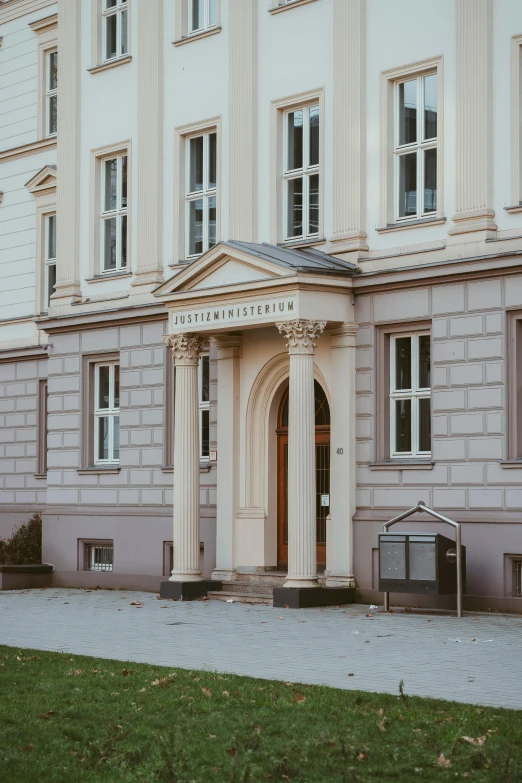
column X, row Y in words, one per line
column 298, row 259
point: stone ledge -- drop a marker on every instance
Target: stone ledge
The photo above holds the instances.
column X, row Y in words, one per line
column 308, row 597
column 21, row 577
column 187, row 591
column 30, row 568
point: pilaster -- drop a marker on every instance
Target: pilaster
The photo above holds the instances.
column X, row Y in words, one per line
column 228, row 468
column 349, row 128
column 148, row 268
column 339, row 525
column 67, row 288
column 243, row 120
column 474, row 92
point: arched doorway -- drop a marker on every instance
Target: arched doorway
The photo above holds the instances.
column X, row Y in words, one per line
column 322, row 473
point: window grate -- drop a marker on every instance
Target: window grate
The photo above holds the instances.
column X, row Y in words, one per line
column 99, row 557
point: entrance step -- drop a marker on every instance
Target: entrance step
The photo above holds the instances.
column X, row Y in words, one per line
column 240, row 597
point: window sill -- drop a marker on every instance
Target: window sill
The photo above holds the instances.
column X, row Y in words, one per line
column 414, row 464
column 298, row 243
column 204, row 467
column 98, row 469
column 197, row 36
column 436, row 221
column 110, row 64
column 296, row 4
column 511, row 463
column 512, row 210
column 107, row 276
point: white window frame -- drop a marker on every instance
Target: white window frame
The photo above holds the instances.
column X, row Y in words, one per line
column 204, row 405
column 49, row 261
column 89, row 556
column 119, row 213
column 414, row 394
column 207, row 24
column 50, row 93
column 419, row 148
column 111, row 413
column 304, row 173
column 121, row 7
column 205, row 194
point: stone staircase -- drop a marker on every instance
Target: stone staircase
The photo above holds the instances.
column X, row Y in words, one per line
column 251, row 587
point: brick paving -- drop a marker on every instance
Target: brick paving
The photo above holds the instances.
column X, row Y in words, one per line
column 435, row 655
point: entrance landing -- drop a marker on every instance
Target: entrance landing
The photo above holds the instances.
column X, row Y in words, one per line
column 473, row 659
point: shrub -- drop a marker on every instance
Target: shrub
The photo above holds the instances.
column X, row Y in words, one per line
column 25, row 545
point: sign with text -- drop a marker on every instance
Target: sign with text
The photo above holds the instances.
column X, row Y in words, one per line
column 234, row 314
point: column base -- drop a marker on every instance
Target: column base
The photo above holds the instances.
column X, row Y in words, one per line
column 340, row 581
column 307, row 597
column 187, row 591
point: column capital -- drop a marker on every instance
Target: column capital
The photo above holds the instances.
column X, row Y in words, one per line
column 186, row 348
column 302, row 336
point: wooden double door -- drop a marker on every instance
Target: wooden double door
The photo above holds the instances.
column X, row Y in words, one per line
column 322, row 475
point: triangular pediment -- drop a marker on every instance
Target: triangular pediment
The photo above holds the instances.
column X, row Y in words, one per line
column 222, row 266
column 43, row 182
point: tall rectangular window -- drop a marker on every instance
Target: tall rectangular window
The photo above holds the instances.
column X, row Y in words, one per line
column 114, row 214
column 51, row 93
column 204, row 406
column 50, row 258
column 415, row 147
column 301, row 173
column 201, row 193
column 410, row 396
column 115, row 29
column 202, row 15
column 107, row 413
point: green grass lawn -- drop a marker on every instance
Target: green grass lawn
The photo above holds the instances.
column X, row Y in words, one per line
column 71, row 718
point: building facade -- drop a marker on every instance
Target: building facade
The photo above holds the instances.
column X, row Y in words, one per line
column 260, row 273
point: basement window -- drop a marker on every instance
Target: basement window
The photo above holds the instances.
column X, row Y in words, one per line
column 98, row 555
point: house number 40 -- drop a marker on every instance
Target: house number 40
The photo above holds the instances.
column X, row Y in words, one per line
column 340, row 451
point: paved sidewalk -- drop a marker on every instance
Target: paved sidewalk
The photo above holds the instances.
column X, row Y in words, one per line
column 434, row 655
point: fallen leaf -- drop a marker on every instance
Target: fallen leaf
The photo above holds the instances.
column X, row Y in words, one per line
column 26, row 748
column 212, row 736
column 226, row 693
column 48, row 714
column 363, row 757
column 232, row 751
column 299, row 697
column 475, row 740
column 492, row 731
column 155, row 682
column 125, row 672
column 206, row 692
column 443, row 762
column 350, row 674
column 417, row 731
column 473, row 639
column 142, row 690
column 136, row 603
column 382, row 727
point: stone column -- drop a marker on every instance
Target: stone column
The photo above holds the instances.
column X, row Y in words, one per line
column 186, row 349
column 302, row 536
column 339, row 526
column 228, row 350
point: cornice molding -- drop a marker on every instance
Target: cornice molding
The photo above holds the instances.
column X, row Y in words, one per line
column 43, row 25
column 33, row 148
column 13, row 9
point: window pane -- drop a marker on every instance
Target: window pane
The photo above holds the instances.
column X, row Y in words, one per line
column 295, row 140
column 51, row 282
column 116, row 444
column 408, row 112
column 103, row 438
column 123, row 48
column 51, row 236
column 110, row 37
column 212, row 12
column 196, row 164
column 103, row 387
column 430, row 180
column 196, row 21
column 314, row 136
column 196, row 227
column 403, row 363
column 123, row 260
column 408, row 185
column 116, row 385
column 111, row 173
column 53, row 70
column 109, row 255
column 313, row 227
column 212, row 221
column 403, row 425
column 205, row 370
column 205, row 433
column 53, row 114
column 430, row 106
column 424, row 424
column 124, row 181
column 110, row 3
column 212, row 160
column 295, row 207
column 424, row 361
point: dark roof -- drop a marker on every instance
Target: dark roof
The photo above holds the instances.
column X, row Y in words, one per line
column 298, row 259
